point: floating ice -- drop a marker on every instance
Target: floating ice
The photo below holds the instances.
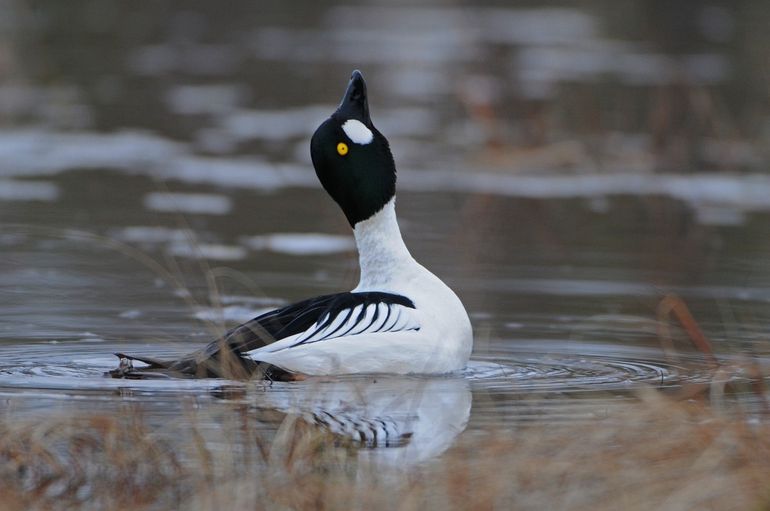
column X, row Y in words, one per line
column 717, row 198
column 739, row 192
column 130, row 314
column 239, row 172
column 207, row 251
column 300, row 243
column 43, row 152
column 151, row 235
column 11, row 190
column 196, row 203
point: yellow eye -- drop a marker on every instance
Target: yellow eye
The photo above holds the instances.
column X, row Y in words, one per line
column 342, row 148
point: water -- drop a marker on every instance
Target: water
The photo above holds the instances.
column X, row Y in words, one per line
column 155, row 187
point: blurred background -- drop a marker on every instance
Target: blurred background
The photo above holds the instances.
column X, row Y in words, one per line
column 523, row 86
column 562, row 165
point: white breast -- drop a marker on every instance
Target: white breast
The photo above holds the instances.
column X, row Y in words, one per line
column 434, row 337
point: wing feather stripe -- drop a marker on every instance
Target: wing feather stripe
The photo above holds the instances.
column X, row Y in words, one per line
column 301, row 317
column 346, row 314
column 355, row 321
column 387, row 316
column 396, row 321
column 364, row 324
column 313, row 333
column 339, row 325
column 401, row 322
column 393, row 311
column 380, row 317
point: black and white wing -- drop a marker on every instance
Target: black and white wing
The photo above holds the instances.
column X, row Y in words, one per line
column 362, row 313
column 326, row 317
column 317, row 319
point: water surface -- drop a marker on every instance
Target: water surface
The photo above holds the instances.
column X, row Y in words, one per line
column 155, row 188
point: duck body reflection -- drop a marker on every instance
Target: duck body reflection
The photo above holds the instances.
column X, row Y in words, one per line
column 391, row 419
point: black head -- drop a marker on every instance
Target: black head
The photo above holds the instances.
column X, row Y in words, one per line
column 352, row 159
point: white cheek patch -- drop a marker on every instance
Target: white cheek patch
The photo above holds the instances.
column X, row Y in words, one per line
column 357, row 132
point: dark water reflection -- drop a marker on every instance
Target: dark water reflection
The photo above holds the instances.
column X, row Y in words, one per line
column 155, row 187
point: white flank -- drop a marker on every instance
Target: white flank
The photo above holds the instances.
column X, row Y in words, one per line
column 357, row 132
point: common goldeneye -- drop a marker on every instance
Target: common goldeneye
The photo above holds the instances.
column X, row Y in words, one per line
column 400, row 318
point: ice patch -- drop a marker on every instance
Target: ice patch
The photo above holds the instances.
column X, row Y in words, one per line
column 194, row 203
column 207, row 251
column 11, row 190
column 738, row 192
column 179, row 243
column 150, row 235
column 301, row 243
column 717, row 198
column 630, row 288
column 43, row 152
column 240, row 173
column 130, row 314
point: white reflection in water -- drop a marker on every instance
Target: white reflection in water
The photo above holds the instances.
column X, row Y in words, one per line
column 400, row 420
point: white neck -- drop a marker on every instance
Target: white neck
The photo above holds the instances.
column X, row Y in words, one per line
column 382, row 254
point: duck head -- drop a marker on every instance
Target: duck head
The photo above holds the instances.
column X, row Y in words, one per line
column 352, row 159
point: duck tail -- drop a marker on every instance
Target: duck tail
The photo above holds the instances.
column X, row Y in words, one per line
column 224, row 363
column 155, row 368
column 154, row 363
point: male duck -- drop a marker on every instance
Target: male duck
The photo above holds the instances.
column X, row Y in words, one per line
column 400, row 318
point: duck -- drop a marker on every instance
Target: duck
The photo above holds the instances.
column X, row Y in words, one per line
column 400, row 319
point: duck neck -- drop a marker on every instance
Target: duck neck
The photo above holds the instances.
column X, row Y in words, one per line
column 382, row 253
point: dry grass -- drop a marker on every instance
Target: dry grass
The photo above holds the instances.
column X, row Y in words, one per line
column 695, row 448
column 655, row 454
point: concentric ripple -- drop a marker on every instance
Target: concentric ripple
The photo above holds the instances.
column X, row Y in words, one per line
column 556, row 374
column 588, row 367
column 78, row 365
